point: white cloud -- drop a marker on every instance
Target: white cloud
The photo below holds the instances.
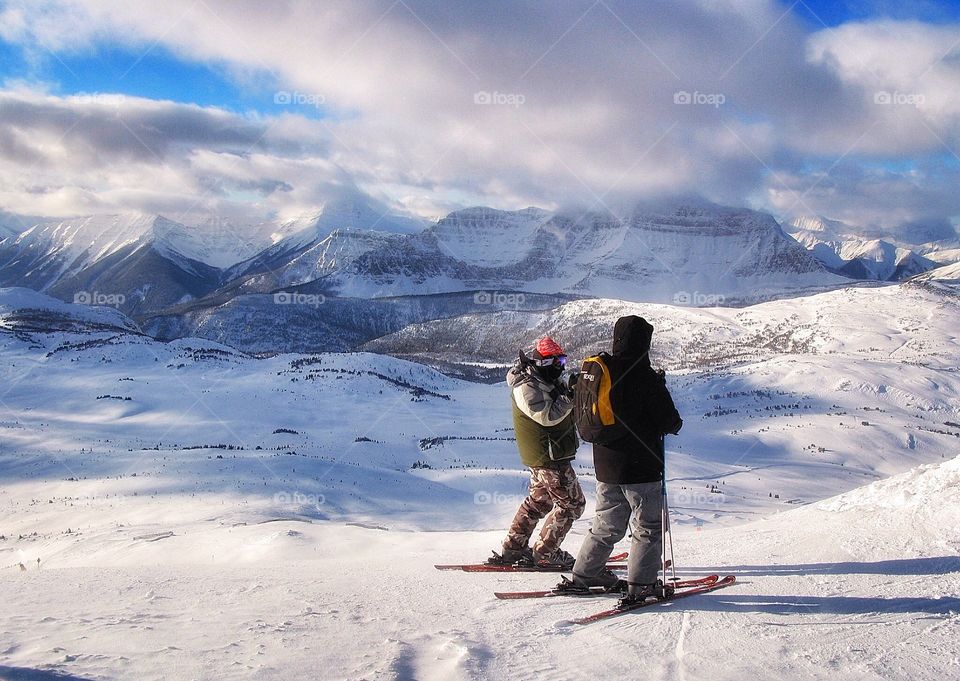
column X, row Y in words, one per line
column 436, row 102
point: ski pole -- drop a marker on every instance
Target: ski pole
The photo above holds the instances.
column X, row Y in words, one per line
column 668, row 537
column 665, row 530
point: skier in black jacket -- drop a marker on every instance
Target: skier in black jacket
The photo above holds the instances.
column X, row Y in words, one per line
column 630, row 471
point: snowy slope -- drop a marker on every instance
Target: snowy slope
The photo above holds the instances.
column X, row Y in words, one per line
column 942, row 252
column 7, row 231
column 25, row 310
column 303, row 320
column 947, row 274
column 199, row 513
column 877, row 601
column 904, row 322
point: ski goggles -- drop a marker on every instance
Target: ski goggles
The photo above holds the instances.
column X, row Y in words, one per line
column 559, row 360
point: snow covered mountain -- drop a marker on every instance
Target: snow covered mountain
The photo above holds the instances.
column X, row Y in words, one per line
column 842, row 250
column 691, row 252
column 662, row 253
column 131, row 261
column 304, row 257
column 361, row 284
column 49, row 252
column 216, row 242
column 54, row 251
column 11, row 224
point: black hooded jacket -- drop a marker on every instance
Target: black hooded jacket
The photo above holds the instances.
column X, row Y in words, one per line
column 644, row 406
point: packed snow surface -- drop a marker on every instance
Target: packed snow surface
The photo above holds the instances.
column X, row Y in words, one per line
column 184, row 511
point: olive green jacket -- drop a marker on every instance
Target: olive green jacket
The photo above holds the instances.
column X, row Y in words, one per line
column 544, row 425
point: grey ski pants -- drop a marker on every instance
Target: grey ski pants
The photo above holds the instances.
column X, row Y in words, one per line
column 616, row 505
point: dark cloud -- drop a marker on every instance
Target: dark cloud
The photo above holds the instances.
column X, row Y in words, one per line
column 107, row 129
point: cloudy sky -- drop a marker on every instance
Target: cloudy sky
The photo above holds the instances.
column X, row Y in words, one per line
column 247, row 108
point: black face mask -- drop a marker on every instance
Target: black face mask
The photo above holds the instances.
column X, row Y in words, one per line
column 552, row 372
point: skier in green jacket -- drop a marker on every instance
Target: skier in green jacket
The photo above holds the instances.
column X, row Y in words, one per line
column 547, row 440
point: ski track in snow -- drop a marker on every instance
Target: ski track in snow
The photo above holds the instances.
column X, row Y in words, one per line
column 679, row 650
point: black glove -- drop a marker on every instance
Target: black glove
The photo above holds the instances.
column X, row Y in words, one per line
column 572, row 381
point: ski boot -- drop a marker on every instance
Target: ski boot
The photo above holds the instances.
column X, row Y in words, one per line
column 641, row 592
column 556, row 559
column 522, row 556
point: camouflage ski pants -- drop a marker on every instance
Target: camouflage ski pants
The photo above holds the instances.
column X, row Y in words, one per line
column 554, row 493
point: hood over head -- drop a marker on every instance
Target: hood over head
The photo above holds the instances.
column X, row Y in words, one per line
column 631, row 338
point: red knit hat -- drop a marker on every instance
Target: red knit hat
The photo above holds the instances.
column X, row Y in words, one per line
column 547, row 347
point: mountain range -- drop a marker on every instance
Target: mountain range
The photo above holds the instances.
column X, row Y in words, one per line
column 852, row 252
column 353, row 272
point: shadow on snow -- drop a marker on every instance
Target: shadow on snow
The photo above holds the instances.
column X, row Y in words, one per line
column 27, row 674
column 898, row 567
column 827, row 605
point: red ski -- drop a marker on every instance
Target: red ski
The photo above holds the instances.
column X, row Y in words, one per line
column 613, row 612
column 596, row 591
column 616, row 562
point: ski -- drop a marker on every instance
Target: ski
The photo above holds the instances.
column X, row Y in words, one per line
column 615, row 562
column 613, row 612
column 596, row 591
